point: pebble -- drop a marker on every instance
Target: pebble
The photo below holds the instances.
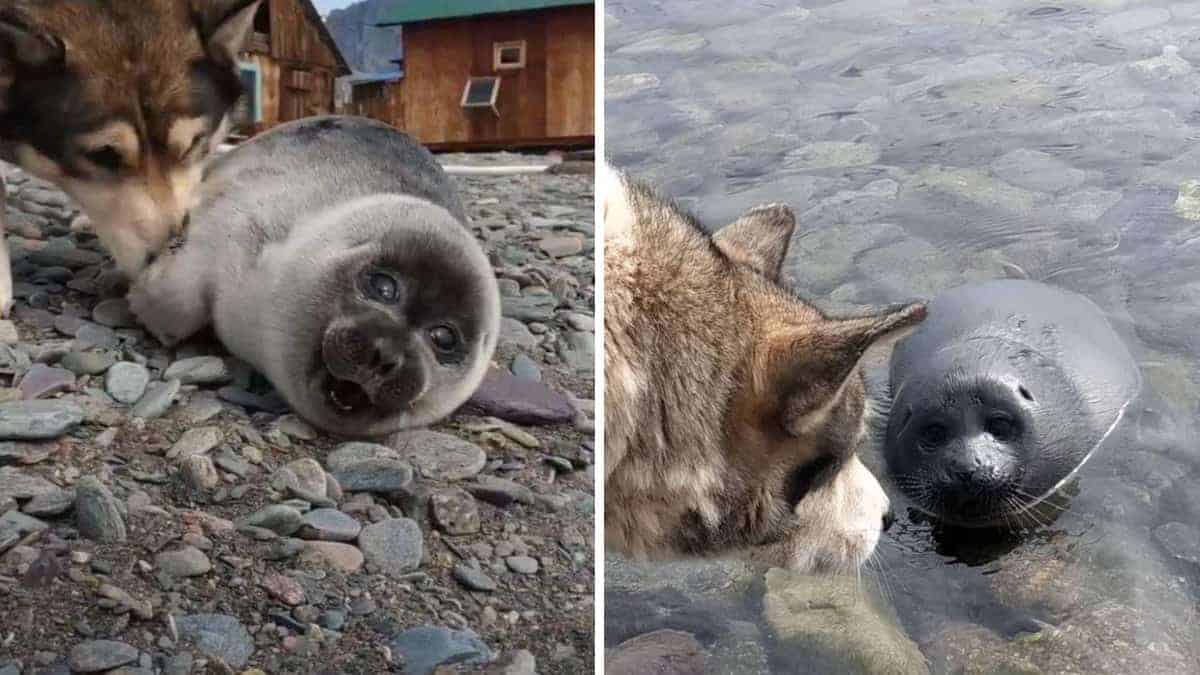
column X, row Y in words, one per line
column 438, row 456
column 8, row 333
column 520, row 401
column 305, row 474
column 200, row 472
column 393, row 546
column 375, row 475
column 38, row 420
column 199, row 370
column 522, row 564
column 534, row 304
column 519, row 662
column 16, row 484
column 217, row 636
column 230, row 461
column 280, row 519
column 473, row 578
column 500, row 491
column 97, row 514
column 424, row 648
column 187, row 561
column 343, row 557
column 94, row 656
column 49, row 504
column 157, row 400
column 87, row 363
column 126, row 382
column 197, row 441
column 454, row 511
column 41, row 381
column 525, row 368
column 201, row 409
column 114, row 313
column 329, row 525
column 284, row 589
column 90, row 335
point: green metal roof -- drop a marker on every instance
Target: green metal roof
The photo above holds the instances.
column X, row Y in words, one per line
column 411, row 11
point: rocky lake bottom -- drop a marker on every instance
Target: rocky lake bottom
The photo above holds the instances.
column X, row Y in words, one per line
column 162, row 513
column 926, row 145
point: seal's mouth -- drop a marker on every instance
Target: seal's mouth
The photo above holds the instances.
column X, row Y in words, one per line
column 346, row 396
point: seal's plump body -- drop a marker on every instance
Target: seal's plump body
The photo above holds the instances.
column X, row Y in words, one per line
column 1000, row 396
column 332, row 255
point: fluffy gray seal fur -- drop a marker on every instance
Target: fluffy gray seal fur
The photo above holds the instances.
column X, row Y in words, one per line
column 1000, row 396
column 332, row 254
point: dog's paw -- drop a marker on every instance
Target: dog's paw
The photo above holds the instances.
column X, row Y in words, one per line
column 152, row 317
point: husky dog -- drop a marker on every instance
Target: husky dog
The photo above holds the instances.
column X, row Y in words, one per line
column 733, row 408
column 118, row 102
column 332, row 254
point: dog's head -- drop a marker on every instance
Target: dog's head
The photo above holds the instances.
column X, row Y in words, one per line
column 733, row 408
column 120, row 103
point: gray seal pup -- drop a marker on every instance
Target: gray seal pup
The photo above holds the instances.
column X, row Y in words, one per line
column 332, row 254
column 1000, row 396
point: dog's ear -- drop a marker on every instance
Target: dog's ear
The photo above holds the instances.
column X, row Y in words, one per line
column 760, row 238
column 616, row 212
column 224, row 26
column 817, row 360
column 24, row 47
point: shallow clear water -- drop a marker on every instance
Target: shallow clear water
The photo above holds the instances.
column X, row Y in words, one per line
column 924, row 145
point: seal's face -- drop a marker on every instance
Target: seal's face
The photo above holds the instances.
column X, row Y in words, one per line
column 404, row 330
column 980, row 446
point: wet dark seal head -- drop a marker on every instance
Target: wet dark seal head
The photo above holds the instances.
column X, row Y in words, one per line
column 1000, row 397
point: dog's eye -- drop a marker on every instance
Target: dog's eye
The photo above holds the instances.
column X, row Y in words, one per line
column 805, row 477
column 106, row 158
column 444, row 338
column 383, row 287
column 198, row 142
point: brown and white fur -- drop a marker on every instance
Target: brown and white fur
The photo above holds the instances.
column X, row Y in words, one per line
column 733, row 408
column 118, row 102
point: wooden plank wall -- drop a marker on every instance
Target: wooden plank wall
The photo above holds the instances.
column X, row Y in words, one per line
column 551, row 99
column 294, row 38
column 296, row 45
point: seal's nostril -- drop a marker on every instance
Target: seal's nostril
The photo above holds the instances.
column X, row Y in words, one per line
column 889, row 519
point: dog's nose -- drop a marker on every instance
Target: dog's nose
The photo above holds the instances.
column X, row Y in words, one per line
column 889, row 519
column 187, row 218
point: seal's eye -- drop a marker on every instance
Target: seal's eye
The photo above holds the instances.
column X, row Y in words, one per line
column 1000, row 426
column 443, row 338
column 933, row 435
column 383, row 287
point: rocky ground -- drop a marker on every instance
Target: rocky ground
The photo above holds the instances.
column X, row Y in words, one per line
column 925, row 145
column 161, row 513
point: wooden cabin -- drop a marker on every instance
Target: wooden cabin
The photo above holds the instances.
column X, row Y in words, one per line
column 288, row 67
column 488, row 74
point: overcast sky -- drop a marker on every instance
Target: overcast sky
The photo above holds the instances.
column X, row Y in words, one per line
column 324, row 6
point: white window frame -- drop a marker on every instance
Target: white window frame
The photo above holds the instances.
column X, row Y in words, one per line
column 498, row 48
column 489, row 104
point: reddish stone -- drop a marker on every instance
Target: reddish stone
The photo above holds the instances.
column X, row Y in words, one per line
column 521, row 401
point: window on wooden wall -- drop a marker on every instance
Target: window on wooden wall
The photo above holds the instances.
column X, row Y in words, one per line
column 248, row 110
column 481, row 92
column 508, row 55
